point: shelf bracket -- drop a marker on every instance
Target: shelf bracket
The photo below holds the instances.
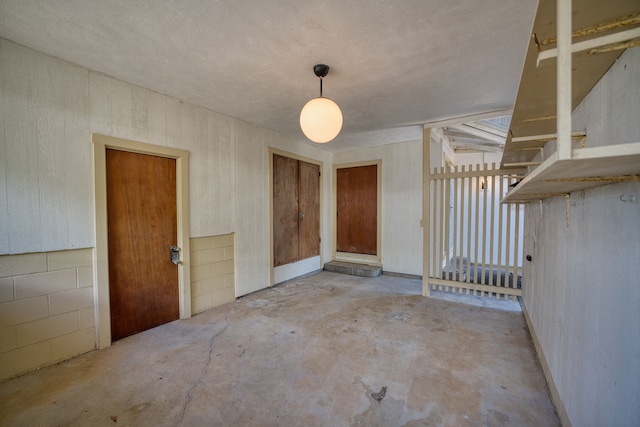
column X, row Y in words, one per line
column 575, row 136
column 616, row 41
column 521, row 164
column 601, row 27
column 564, row 80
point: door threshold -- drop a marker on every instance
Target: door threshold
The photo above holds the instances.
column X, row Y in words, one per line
column 353, row 269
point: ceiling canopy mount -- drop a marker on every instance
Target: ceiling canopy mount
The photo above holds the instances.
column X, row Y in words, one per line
column 321, row 118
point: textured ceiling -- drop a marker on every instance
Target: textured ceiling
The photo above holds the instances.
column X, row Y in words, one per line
column 395, row 65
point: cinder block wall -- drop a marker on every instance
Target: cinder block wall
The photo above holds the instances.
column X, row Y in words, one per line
column 46, row 309
column 212, row 271
column 47, row 300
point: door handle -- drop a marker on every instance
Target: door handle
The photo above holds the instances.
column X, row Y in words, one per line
column 175, row 255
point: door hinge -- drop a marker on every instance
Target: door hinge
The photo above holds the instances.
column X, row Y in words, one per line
column 319, row 173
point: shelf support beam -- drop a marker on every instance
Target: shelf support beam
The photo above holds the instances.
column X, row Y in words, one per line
column 595, row 45
column 426, row 209
column 576, row 136
column 563, row 80
column 521, row 164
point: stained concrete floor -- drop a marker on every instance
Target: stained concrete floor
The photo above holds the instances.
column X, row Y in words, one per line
column 329, row 349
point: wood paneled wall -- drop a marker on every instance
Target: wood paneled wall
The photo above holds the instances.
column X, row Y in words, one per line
column 45, row 107
column 49, row 109
column 401, row 202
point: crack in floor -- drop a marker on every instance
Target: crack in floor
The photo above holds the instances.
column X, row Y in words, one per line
column 206, row 369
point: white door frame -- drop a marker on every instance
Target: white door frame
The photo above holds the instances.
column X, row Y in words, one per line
column 349, row 257
column 101, row 254
column 288, row 271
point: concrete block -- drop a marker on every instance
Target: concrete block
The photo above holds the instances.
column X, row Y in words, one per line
column 201, row 303
column 46, row 329
column 218, row 283
column 201, row 287
column 222, row 268
column 6, row 289
column 223, row 296
column 353, row 269
column 229, row 281
column 218, row 254
column 63, row 260
column 201, row 272
column 85, row 277
column 34, row 285
column 18, row 265
column 209, row 256
column 16, row 312
column 72, row 344
column 65, row 302
column 229, row 253
column 200, row 243
column 224, row 240
column 86, row 318
column 194, row 258
column 8, row 339
column 24, row 359
column 217, row 269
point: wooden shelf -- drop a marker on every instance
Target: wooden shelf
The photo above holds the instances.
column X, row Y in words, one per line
column 575, row 28
column 587, row 168
column 534, row 110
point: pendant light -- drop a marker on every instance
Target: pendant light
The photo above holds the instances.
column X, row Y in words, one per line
column 321, row 118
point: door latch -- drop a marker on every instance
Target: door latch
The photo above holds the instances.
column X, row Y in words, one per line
column 175, row 255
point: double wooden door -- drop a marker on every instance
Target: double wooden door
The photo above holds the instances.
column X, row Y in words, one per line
column 142, row 228
column 296, row 210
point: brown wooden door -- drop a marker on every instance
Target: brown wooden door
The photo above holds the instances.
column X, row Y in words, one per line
column 142, row 227
column 296, row 210
column 357, row 207
column 285, row 210
column 309, row 210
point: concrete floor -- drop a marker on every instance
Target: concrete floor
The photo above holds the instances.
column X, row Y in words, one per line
column 329, row 349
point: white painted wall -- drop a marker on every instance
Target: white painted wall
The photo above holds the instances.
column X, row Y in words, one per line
column 49, row 109
column 46, row 198
column 611, row 111
column 581, row 291
column 401, row 202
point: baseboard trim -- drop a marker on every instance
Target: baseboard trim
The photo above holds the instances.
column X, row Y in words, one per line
column 293, row 279
column 403, row 275
column 555, row 395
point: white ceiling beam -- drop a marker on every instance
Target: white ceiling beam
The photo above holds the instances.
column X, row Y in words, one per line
column 457, row 145
column 458, row 133
column 479, row 133
column 488, row 128
column 482, row 142
column 470, row 118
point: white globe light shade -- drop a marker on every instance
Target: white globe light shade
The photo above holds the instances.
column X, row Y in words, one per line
column 321, row 120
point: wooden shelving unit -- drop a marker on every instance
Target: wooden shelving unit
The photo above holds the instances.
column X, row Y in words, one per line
column 587, row 168
column 560, row 69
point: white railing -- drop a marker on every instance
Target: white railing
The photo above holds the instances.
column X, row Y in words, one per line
column 474, row 242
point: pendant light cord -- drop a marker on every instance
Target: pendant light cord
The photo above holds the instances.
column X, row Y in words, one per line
column 320, row 87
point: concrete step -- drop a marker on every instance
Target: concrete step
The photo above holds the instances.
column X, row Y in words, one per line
column 362, row 270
